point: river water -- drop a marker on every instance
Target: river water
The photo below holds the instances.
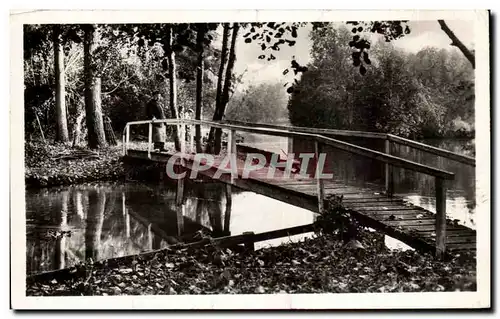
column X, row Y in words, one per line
column 107, row 220
column 66, row 225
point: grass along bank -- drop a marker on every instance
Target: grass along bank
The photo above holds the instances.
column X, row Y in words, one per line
column 57, row 164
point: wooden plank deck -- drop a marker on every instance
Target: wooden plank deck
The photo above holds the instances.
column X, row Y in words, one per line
column 411, row 224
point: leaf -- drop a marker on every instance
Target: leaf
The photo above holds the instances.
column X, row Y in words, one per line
column 260, row 290
column 125, row 271
column 354, row 244
column 362, row 70
column 366, row 58
column 262, row 56
column 171, row 291
column 116, row 290
column 248, row 40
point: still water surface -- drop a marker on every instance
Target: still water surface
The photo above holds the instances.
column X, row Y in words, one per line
column 109, row 219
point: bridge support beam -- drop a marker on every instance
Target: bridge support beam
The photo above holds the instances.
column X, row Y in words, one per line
column 231, row 149
column 320, row 187
column 440, row 218
column 227, row 213
column 179, row 197
column 389, row 173
column 290, row 145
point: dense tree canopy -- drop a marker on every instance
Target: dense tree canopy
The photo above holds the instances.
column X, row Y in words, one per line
column 263, row 103
column 419, row 95
column 351, row 83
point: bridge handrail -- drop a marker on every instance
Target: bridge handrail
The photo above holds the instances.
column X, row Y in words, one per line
column 311, row 130
column 464, row 159
column 348, row 147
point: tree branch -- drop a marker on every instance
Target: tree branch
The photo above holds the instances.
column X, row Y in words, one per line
column 456, row 42
column 119, row 84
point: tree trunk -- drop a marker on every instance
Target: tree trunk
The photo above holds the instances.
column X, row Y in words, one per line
column 227, row 87
column 61, row 119
column 200, row 36
column 220, row 83
column 95, row 125
column 173, row 85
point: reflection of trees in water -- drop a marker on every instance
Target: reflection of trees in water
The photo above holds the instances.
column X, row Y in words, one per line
column 95, row 220
column 205, row 205
column 104, row 224
column 60, row 247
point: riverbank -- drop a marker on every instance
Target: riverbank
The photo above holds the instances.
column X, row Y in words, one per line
column 57, row 164
column 318, row 265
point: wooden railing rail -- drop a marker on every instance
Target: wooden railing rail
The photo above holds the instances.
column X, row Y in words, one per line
column 464, row 159
column 311, row 130
column 375, row 135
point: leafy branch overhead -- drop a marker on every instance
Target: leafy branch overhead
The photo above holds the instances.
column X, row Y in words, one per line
column 271, row 36
column 391, row 30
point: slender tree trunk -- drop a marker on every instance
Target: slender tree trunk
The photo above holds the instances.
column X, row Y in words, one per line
column 200, row 36
column 227, row 87
column 95, row 125
column 173, row 85
column 62, row 122
column 220, row 83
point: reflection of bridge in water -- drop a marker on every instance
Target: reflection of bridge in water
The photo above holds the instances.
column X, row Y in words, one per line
column 374, row 205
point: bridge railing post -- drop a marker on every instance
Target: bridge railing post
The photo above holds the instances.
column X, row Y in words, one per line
column 389, row 172
column 126, row 139
column 320, row 187
column 150, row 137
column 231, row 148
column 440, row 189
column 182, row 136
column 192, row 128
column 124, row 145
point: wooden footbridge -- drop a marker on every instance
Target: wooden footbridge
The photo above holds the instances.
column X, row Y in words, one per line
column 380, row 210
